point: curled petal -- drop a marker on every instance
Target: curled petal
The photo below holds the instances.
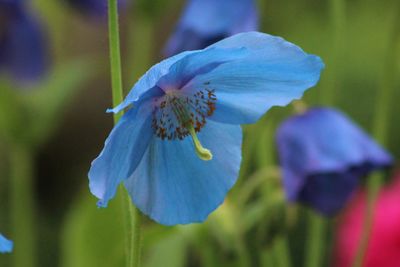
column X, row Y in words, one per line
column 148, row 81
column 197, row 63
column 122, row 153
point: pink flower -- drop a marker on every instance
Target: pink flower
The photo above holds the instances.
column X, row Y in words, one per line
column 384, row 244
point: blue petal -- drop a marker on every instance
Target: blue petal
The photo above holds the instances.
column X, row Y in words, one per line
column 122, row 152
column 6, row 246
column 197, row 63
column 90, row 7
column 187, row 39
column 23, row 47
column 274, row 73
column 177, row 70
column 324, row 143
column 148, row 81
column 249, row 77
column 210, row 17
column 266, row 45
column 173, row 186
column 329, row 192
column 328, row 142
column 205, row 21
column 94, row 7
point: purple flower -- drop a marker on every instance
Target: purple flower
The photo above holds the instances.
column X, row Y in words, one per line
column 323, row 155
column 22, row 43
column 207, row 21
column 96, row 8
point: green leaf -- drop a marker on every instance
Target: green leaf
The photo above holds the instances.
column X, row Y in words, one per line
column 94, row 237
column 47, row 103
column 170, row 251
column 11, row 114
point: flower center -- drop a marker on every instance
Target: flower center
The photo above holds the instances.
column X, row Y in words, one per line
column 176, row 116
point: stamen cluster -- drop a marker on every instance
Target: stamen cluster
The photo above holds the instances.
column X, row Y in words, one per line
column 175, row 113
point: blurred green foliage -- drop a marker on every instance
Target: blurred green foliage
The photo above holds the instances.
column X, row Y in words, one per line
column 70, row 126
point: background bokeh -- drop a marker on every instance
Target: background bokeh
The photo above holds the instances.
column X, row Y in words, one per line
column 249, row 228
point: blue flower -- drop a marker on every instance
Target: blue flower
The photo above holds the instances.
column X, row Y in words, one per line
column 178, row 148
column 6, row 245
column 323, row 156
column 22, row 43
column 205, row 22
column 96, row 8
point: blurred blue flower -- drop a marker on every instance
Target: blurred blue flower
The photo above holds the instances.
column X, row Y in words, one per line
column 95, row 8
column 323, row 155
column 22, row 43
column 6, row 245
column 205, row 22
column 193, row 99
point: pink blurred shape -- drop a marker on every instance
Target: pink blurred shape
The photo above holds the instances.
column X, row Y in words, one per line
column 384, row 244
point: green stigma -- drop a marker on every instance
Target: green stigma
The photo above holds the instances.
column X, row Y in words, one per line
column 181, row 111
column 202, row 153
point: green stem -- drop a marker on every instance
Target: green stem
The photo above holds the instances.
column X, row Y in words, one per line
column 128, row 221
column 315, row 245
column 115, row 56
column 22, row 206
column 338, row 19
column 137, row 236
column 265, row 129
column 266, row 258
column 382, row 114
column 133, row 215
column 243, row 253
column 281, row 251
column 374, row 183
column 386, row 90
column 317, row 225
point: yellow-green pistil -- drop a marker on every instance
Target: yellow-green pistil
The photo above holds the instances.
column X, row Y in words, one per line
column 182, row 113
column 202, row 153
column 177, row 116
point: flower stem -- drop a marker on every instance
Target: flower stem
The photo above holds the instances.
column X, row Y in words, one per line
column 382, row 112
column 374, row 183
column 317, row 225
column 126, row 206
column 115, row 56
column 137, row 236
column 22, row 206
column 315, row 245
column 133, row 215
column 338, row 19
column 281, row 251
